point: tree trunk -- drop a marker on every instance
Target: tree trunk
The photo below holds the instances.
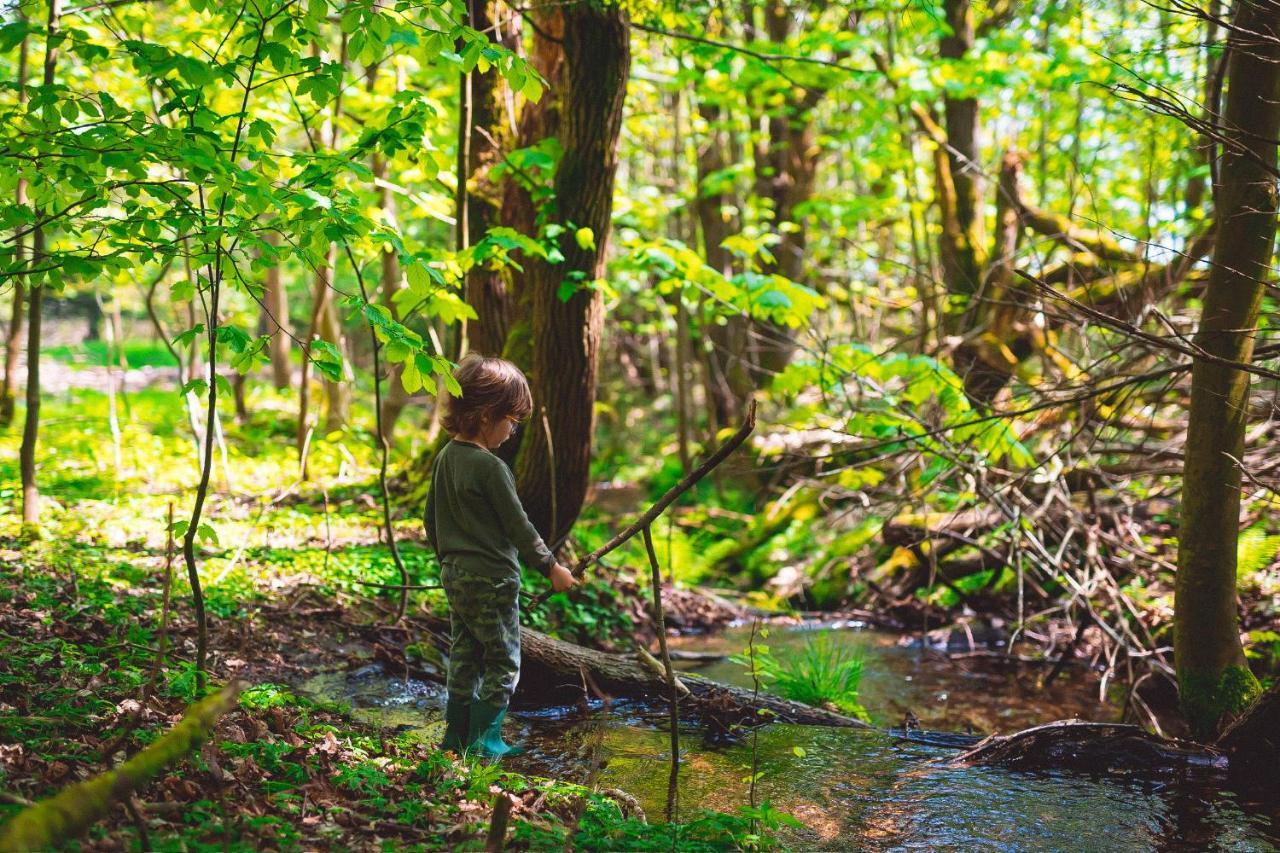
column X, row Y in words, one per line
column 396, row 398
column 1213, row 678
column 987, row 363
column 511, row 312
column 31, row 424
column 1204, row 150
column 728, row 377
column 13, row 337
column 960, row 242
column 1253, row 741
column 337, row 395
column 538, row 121
column 786, row 166
column 276, row 323
column 481, row 134
column 555, row 455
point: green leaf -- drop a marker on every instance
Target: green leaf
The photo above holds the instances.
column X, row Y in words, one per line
column 196, row 386
column 586, row 239
column 411, row 377
column 532, row 89
column 207, row 533
column 11, row 35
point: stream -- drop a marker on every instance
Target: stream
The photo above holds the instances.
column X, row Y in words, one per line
column 855, row 789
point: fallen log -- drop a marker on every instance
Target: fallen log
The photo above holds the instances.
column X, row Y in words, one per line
column 556, row 672
column 53, row 822
column 553, row 672
column 1092, row 748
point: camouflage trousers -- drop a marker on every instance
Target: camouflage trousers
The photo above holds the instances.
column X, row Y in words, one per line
column 484, row 649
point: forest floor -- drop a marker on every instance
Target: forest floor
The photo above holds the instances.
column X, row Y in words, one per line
column 282, row 770
column 92, row 663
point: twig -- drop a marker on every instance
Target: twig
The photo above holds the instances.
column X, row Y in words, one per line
column 383, row 442
column 497, row 839
column 400, row 586
column 551, row 462
column 672, row 681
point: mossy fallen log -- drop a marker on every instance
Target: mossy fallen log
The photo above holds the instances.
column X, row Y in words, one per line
column 53, row 822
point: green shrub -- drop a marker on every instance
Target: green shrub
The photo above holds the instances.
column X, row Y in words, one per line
column 824, row 671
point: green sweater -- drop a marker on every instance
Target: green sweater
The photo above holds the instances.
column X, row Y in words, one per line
column 474, row 519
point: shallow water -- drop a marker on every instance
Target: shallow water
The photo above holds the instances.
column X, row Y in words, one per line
column 859, row 789
column 980, row 694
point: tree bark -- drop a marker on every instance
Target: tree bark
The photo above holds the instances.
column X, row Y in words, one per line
column 555, row 456
column 1206, row 145
column 960, row 244
column 276, row 323
column 1002, row 300
column 511, row 313
column 786, row 169
column 13, row 337
column 337, row 395
column 480, row 137
column 1253, row 741
column 538, row 121
column 31, row 424
column 728, row 370
column 1213, row 679
column 396, row 398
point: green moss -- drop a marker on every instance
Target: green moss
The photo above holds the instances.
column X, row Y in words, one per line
column 1205, row 701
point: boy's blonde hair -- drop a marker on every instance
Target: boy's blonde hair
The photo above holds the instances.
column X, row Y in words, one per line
column 492, row 388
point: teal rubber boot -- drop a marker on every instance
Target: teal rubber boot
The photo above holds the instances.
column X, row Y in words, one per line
column 486, row 732
column 457, row 718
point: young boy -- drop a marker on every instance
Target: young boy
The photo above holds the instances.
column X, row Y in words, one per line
column 478, row 528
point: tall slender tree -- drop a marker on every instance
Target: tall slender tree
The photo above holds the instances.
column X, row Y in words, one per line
column 13, row 336
column 1213, row 678
column 35, row 291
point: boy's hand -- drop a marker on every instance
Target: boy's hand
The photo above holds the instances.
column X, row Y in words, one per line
column 562, row 578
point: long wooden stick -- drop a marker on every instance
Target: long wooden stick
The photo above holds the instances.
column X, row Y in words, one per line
column 666, row 500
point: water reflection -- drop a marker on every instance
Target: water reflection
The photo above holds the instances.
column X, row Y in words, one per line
column 862, row 790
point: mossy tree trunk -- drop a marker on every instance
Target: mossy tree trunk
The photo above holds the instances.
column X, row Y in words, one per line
column 1213, row 679
column 566, row 310
column 960, row 243
column 52, row 823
